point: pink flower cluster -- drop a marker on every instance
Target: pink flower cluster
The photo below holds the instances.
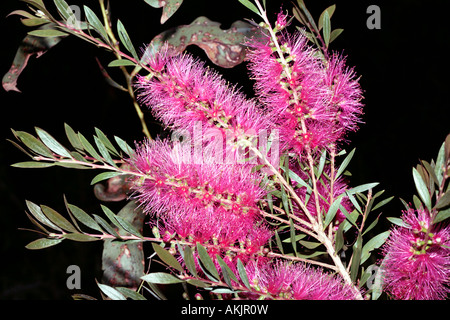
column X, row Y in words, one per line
column 416, row 263
column 184, row 92
column 199, row 202
column 283, row 280
column 313, row 101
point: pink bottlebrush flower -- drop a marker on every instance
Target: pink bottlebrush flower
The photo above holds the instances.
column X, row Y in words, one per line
column 197, row 201
column 285, row 280
column 416, row 263
column 312, row 101
column 185, row 93
column 346, row 95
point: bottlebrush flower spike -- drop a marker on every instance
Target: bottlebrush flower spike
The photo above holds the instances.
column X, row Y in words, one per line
column 185, row 92
column 198, row 201
column 313, row 102
column 346, row 96
column 284, row 280
column 416, row 263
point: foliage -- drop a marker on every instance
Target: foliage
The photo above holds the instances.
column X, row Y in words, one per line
column 299, row 232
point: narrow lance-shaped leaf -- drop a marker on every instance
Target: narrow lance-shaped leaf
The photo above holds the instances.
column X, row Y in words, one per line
column 167, row 257
column 52, row 144
column 161, row 278
column 111, row 292
column 95, row 22
column 104, row 152
column 125, row 39
column 83, row 217
column 189, row 260
column 345, row 163
column 330, row 11
column 372, row 244
column 243, row 273
column 58, row 219
column 33, row 143
column 42, row 243
column 207, row 261
column 422, row 188
column 104, row 139
column 326, row 28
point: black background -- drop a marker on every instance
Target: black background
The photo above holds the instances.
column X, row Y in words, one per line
column 404, row 68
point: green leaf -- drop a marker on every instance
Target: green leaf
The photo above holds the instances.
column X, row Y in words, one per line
column 323, row 157
column 344, row 164
column 442, row 215
column 104, row 152
column 197, row 283
column 189, row 261
column 250, row 6
column 94, row 21
column 127, row 292
column 89, row 148
column 104, row 139
column 32, row 164
column 382, row 203
column 105, row 225
column 33, row 143
column 330, row 11
column 226, row 271
column 339, row 240
column 128, row 226
column 52, row 144
column 58, row 219
column 47, row 33
column 34, row 22
column 121, row 63
column 161, row 278
column 372, row 244
column 243, row 273
column 422, row 188
column 111, row 216
column 356, row 258
column 83, row 217
column 165, row 256
column 362, row 188
column 278, row 241
column 207, row 261
column 335, row 33
column 63, row 9
column 292, row 235
column 332, row 210
column 73, row 138
column 398, row 222
column 308, row 16
column 42, row 243
column 124, row 146
column 111, row 292
column 309, row 244
column 299, row 180
column 443, row 201
column 104, row 176
column 36, row 211
column 125, row 39
column 326, row 28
